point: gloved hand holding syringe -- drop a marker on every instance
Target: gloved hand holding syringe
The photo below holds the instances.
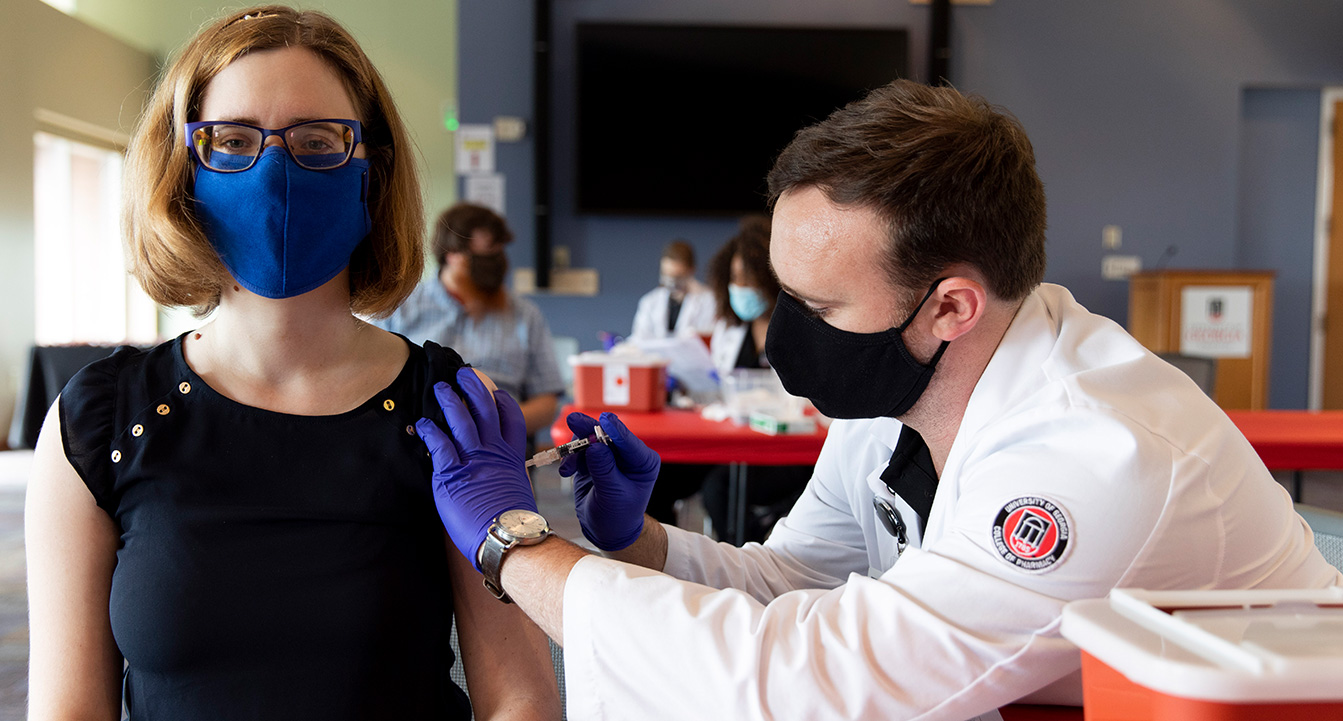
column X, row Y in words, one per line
column 558, row 453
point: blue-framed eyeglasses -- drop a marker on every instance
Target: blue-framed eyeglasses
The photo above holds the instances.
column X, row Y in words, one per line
column 228, row 147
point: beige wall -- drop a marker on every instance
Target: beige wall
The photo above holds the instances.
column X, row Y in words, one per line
column 55, row 63
column 98, row 67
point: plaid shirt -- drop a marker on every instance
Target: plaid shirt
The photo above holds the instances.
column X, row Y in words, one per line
column 512, row 346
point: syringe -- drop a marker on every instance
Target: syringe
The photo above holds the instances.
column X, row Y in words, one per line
column 547, row 457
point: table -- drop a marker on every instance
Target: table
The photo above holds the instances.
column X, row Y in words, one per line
column 1294, row 440
column 49, row 368
column 683, row 436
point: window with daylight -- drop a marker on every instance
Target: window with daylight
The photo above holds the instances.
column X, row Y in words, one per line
column 84, row 294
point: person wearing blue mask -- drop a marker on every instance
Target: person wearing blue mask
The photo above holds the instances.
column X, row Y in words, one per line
column 745, row 289
column 998, row 452
column 235, row 524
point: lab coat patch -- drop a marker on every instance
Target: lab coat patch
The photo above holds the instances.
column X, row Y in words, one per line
column 1031, row 533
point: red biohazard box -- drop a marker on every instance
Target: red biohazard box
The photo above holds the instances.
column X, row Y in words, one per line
column 1210, row 655
column 619, row 381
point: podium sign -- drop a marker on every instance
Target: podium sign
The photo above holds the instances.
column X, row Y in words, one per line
column 1215, row 321
column 1222, row 314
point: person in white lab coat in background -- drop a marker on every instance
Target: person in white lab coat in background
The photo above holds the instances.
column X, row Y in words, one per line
column 1000, row 452
column 744, row 290
column 680, row 305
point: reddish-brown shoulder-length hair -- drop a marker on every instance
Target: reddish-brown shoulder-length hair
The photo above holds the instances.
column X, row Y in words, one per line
column 168, row 251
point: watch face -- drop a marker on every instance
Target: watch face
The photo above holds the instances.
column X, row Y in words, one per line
column 520, row 523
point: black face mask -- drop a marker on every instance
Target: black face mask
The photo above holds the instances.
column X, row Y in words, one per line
column 487, row 271
column 846, row 375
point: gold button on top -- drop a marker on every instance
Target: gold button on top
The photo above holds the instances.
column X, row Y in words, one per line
column 163, row 409
column 138, row 430
column 389, row 404
column 184, row 387
column 116, row 456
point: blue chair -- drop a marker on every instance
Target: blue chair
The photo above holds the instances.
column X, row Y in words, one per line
column 1328, row 528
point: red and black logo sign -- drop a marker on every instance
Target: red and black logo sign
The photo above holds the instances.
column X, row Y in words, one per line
column 1031, row 533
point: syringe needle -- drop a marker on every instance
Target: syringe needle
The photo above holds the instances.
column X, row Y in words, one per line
column 544, row 458
column 549, row 456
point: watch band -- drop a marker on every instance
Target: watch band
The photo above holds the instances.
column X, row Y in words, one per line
column 492, row 561
column 491, row 555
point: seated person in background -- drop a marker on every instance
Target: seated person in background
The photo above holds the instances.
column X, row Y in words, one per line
column 467, row 308
column 744, row 290
column 680, row 305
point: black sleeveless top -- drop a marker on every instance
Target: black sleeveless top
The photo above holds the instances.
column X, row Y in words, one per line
column 271, row 566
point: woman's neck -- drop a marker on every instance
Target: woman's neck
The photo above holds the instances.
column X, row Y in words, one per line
column 306, row 355
column 274, row 338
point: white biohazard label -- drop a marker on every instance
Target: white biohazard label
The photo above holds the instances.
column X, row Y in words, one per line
column 616, row 385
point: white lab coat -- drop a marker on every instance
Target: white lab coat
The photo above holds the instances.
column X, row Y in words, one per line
column 696, row 316
column 828, row 621
column 725, row 345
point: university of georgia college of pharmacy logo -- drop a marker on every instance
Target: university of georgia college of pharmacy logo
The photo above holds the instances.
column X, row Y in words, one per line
column 1031, row 533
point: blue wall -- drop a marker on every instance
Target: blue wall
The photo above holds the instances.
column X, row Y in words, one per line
column 1148, row 114
column 1279, row 150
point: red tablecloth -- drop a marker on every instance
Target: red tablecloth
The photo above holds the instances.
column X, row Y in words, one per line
column 1285, row 440
column 684, row 437
column 1294, row 440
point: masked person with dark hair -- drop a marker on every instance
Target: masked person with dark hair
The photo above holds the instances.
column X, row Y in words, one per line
column 1000, row 452
column 469, row 309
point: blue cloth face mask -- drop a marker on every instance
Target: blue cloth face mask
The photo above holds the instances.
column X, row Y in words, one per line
column 280, row 229
column 748, row 303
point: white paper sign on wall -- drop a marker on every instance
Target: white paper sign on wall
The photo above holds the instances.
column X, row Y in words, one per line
column 475, row 149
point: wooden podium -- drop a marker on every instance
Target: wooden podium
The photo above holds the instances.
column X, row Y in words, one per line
column 1222, row 314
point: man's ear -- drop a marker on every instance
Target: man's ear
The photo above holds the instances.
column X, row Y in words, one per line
column 959, row 303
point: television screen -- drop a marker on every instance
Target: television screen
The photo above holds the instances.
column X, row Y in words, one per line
column 676, row 119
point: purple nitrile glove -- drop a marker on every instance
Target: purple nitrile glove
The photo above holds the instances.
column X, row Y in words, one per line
column 611, row 484
column 478, row 471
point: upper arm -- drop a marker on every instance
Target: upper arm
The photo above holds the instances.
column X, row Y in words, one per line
column 1105, row 485
column 71, row 545
column 507, row 658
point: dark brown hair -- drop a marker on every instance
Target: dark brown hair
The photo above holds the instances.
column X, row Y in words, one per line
column 751, row 243
column 681, row 252
column 169, row 253
column 953, row 178
column 452, row 233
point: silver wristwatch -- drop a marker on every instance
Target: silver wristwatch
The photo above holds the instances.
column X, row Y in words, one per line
column 509, row 530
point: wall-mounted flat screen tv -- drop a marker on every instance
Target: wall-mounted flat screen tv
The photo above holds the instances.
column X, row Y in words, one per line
column 677, row 119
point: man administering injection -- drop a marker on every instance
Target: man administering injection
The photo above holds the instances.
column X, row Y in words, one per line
column 1000, row 452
